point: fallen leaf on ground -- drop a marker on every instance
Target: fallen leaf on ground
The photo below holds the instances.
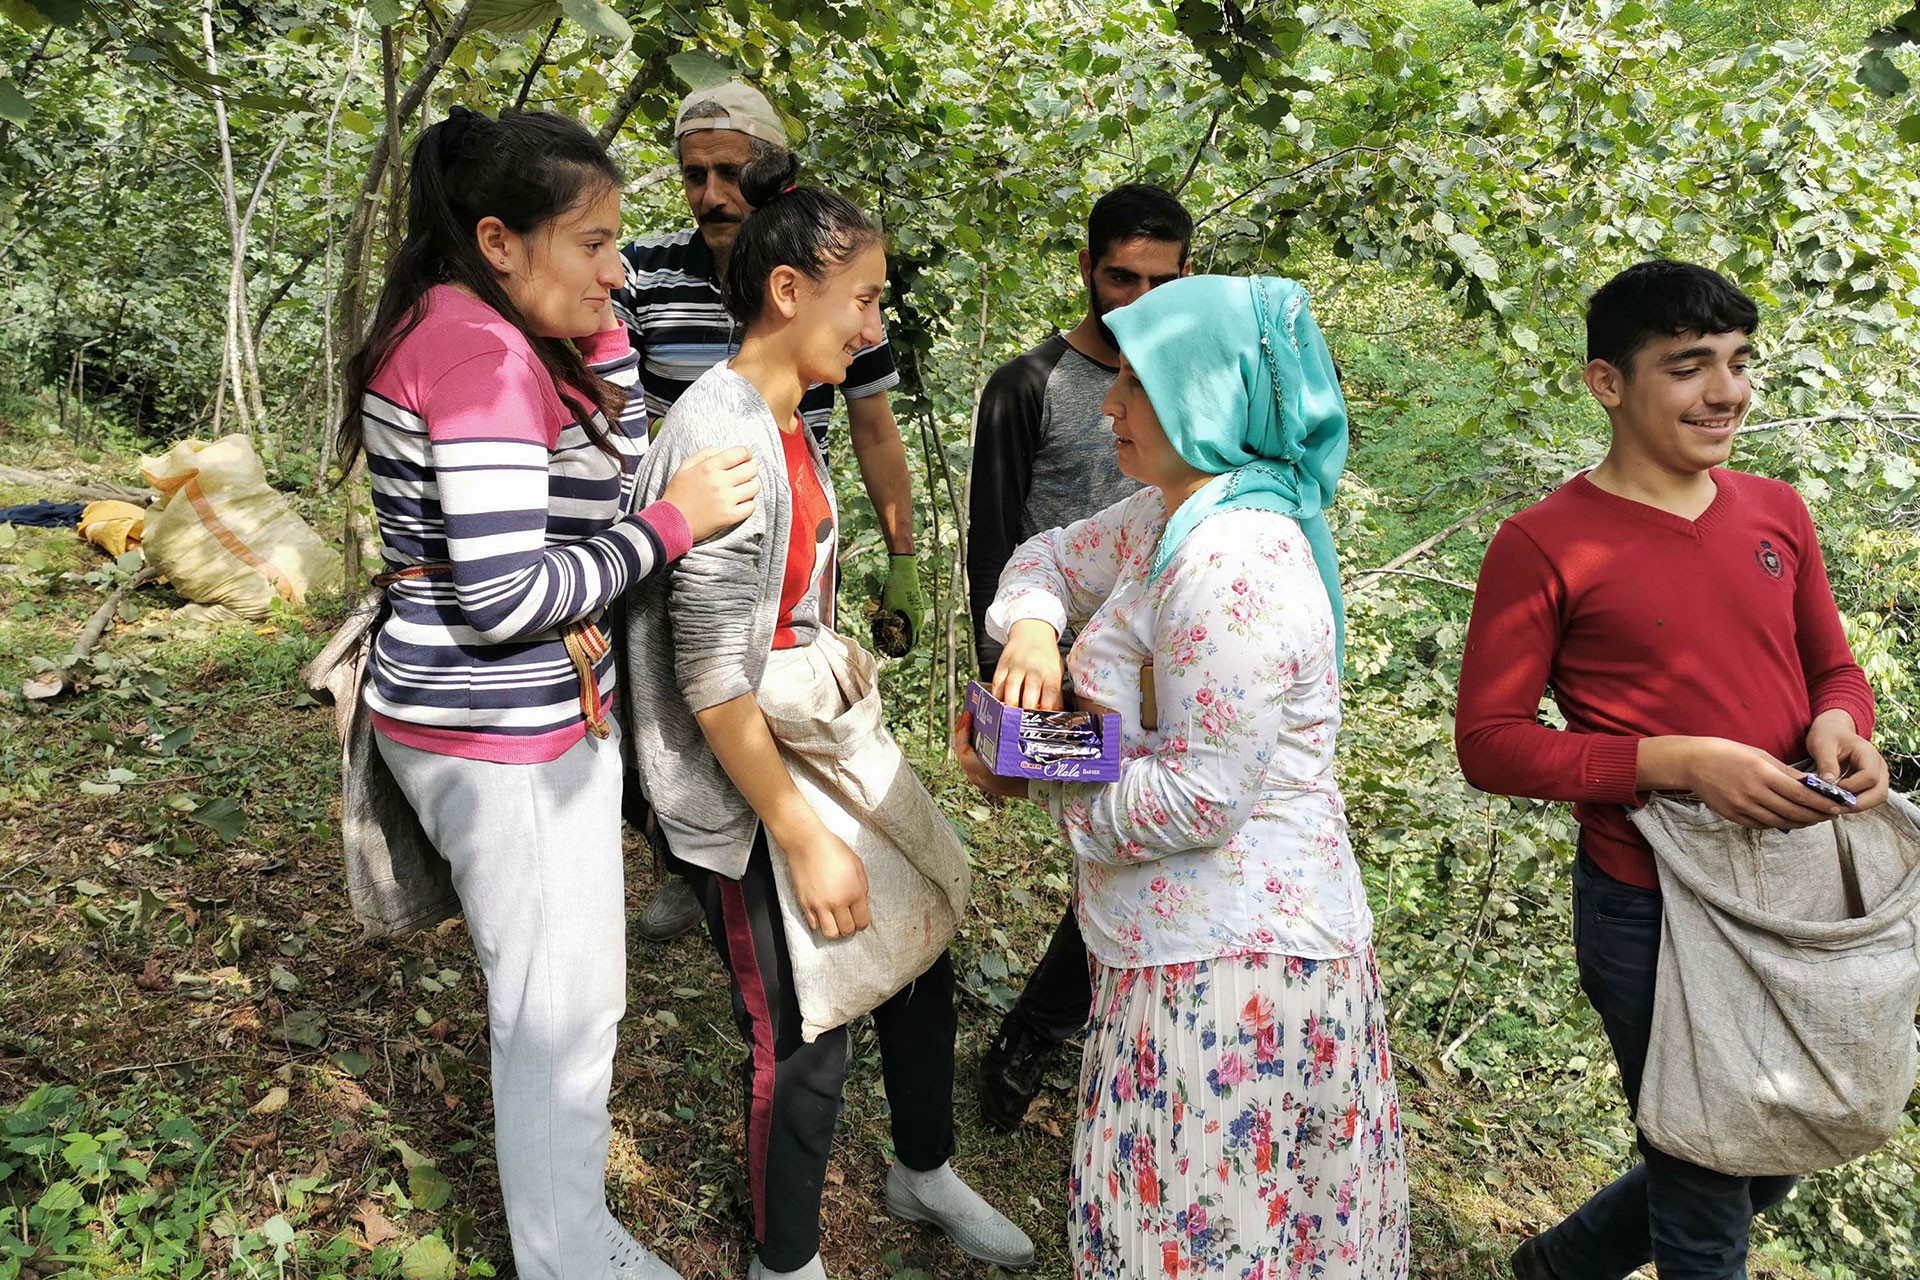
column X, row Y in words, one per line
column 375, row 1230
column 46, row 685
column 273, row 1103
column 152, row 977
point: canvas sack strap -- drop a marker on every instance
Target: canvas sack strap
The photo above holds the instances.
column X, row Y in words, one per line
column 586, row 644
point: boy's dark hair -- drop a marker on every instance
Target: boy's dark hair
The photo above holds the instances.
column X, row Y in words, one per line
column 526, row 170
column 810, row 229
column 1662, row 298
column 1138, row 211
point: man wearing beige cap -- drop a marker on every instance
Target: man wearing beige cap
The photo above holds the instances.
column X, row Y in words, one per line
column 680, row 326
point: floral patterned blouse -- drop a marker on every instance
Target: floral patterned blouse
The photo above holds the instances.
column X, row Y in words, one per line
column 1226, row 833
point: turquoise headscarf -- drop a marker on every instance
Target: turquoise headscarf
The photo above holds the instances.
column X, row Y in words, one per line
column 1245, row 389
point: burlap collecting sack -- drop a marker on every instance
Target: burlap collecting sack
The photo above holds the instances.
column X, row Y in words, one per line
column 225, row 538
column 397, row 882
column 822, row 703
column 1783, row 1019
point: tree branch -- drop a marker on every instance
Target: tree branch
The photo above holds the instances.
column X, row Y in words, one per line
column 367, row 203
column 1822, row 419
column 280, row 292
column 649, row 70
column 1362, row 581
column 1304, row 169
column 1206, row 140
column 1424, row 577
column 539, row 60
column 23, row 76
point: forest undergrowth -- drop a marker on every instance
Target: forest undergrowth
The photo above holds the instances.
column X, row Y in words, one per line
column 205, row 1071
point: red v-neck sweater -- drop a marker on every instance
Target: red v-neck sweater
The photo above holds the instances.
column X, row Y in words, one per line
column 1646, row 624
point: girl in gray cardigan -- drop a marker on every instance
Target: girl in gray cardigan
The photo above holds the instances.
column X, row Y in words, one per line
column 747, row 611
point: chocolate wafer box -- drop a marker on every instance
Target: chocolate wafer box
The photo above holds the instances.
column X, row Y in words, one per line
column 1064, row 746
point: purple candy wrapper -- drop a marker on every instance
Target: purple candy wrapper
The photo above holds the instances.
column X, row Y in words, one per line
column 1005, row 735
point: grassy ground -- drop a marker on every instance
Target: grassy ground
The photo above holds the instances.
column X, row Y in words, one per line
column 203, row 1068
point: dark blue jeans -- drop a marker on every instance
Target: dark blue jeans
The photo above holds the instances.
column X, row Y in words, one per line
column 1692, row 1223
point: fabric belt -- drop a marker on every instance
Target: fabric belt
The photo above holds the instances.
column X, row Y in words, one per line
column 586, row 644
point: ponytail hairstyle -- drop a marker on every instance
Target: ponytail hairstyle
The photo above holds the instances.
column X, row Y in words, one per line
column 810, row 229
column 524, row 169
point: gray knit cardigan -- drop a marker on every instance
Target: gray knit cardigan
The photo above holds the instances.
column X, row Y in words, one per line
column 699, row 634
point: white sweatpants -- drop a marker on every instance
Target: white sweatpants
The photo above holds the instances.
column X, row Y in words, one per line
column 535, row 851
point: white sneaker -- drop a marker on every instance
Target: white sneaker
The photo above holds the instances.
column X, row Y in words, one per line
column 645, row 1267
column 976, row 1228
column 813, row 1270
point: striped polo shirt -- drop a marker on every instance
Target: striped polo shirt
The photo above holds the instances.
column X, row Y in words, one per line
column 681, row 328
column 476, row 461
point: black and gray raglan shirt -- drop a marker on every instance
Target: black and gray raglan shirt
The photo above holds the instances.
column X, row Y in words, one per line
column 1042, row 459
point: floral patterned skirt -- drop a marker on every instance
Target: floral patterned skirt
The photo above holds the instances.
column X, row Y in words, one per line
column 1239, row 1120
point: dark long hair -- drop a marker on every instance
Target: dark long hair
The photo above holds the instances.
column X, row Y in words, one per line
column 810, row 229
column 523, row 169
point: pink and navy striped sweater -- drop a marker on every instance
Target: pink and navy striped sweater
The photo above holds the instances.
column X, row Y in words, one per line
column 475, row 460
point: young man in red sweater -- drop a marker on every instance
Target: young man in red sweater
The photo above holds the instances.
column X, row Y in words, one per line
column 1681, row 615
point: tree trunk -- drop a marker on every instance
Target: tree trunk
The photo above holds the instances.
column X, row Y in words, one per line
column 350, row 302
column 236, row 236
column 329, row 354
column 249, row 345
column 396, row 123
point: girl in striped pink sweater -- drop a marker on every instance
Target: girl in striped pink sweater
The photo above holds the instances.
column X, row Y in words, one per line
column 487, row 403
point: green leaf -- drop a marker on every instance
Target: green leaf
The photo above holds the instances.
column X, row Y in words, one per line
column 409, row 1157
column 222, row 816
column 1909, row 129
column 428, row 1188
column 508, row 16
column 600, row 19
column 60, row 1197
column 428, row 1259
column 1879, row 75
column 275, row 102
column 351, row 1061
column 305, row 1026
column 14, row 106
column 61, row 13
column 386, row 12
column 22, row 14
column 699, row 71
column 355, row 121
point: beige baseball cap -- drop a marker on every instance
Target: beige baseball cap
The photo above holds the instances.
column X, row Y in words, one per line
column 733, row 105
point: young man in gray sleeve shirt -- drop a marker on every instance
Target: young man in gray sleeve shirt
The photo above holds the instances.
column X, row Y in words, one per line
column 1043, row 458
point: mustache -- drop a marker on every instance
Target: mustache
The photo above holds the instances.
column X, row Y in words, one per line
column 717, row 218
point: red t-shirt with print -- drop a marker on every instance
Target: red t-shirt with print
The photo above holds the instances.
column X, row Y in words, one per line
column 810, row 543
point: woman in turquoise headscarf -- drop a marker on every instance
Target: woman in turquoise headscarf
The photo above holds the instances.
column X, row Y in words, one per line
column 1238, row 1114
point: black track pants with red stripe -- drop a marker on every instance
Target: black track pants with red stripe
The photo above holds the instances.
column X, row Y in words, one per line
column 793, row 1088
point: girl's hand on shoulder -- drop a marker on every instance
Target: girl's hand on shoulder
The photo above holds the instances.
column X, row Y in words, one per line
column 829, row 885
column 1029, row 673
column 983, row 778
column 714, row 490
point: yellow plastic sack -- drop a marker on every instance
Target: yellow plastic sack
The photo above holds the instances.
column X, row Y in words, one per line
column 114, row 527
column 224, row 538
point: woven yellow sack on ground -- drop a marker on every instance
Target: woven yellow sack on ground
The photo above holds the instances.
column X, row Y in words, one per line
column 114, row 527
column 224, row 538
